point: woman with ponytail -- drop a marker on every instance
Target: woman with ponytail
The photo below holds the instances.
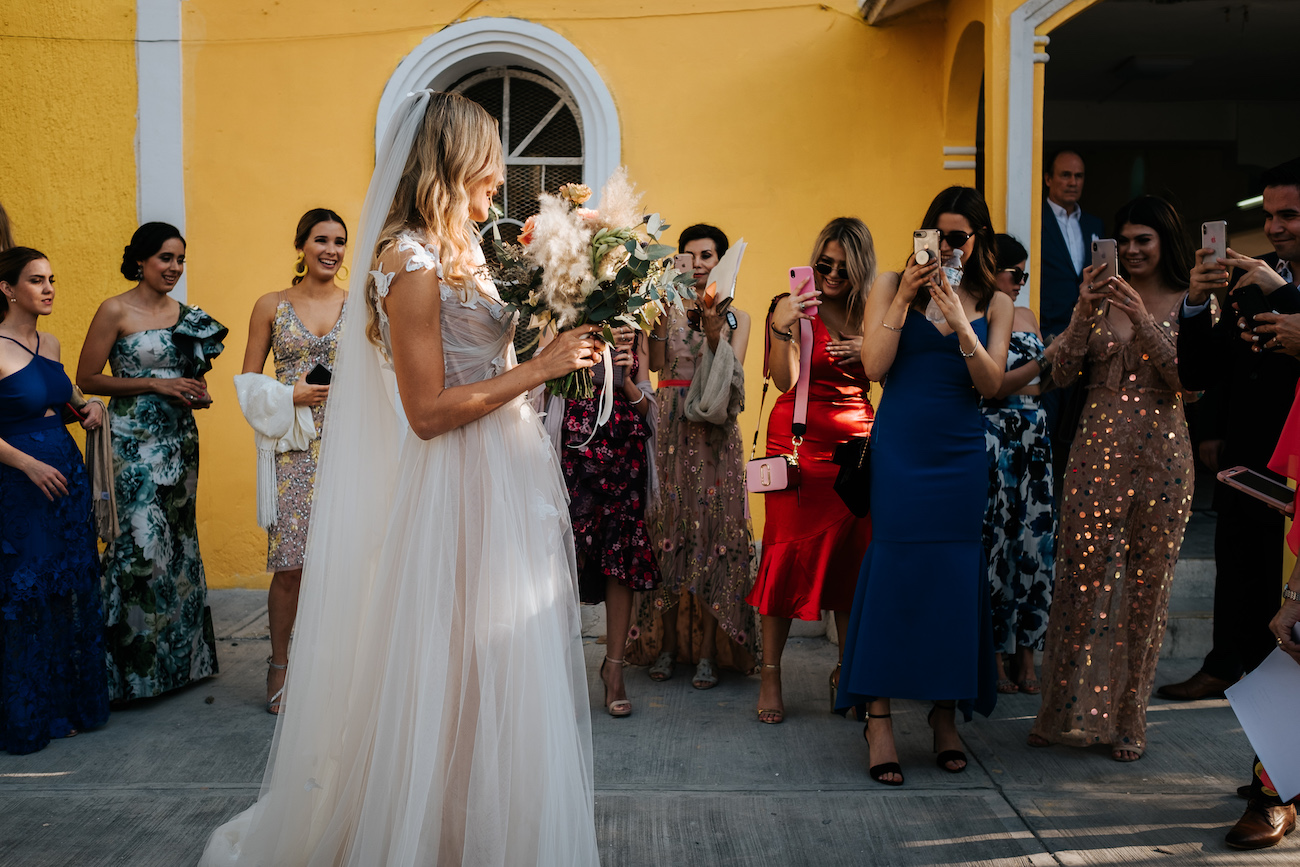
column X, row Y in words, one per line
column 299, row 327
column 158, row 624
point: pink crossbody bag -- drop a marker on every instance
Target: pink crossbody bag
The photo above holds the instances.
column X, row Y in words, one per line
column 781, row 472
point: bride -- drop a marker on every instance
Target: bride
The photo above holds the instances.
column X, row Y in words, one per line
column 436, row 708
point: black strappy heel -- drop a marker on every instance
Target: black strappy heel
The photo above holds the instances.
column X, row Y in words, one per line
column 877, row 772
column 946, row 756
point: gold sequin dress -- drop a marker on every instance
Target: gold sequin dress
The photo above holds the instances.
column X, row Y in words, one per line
column 1125, row 503
column 296, row 351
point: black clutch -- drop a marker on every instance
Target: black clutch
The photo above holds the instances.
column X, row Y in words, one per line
column 853, row 482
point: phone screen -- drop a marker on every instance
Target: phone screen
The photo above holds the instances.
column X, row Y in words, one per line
column 1264, row 485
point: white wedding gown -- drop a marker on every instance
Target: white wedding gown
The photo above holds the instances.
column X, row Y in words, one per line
column 453, row 728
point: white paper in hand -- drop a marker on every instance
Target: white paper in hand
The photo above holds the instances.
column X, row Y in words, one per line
column 724, row 274
column 1267, row 703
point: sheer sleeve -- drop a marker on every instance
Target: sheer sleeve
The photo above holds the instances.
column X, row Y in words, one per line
column 1071, row 349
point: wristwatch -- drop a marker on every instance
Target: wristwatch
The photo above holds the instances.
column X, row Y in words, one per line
column 1288, row 593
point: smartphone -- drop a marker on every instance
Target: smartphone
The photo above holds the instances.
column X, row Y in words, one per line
column 1261, row 487
column 925, row 246
column 319, row 375
column 684, row 263
column 1250, row 302
column 1105, row 257
column 797, row 277
column 1214, row 234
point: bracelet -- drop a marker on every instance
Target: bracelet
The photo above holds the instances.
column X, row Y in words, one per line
column 971, row 354
column 638, row 400
column 1288, row 593
column 787, row 336
column 654, row 336
column 898, row 330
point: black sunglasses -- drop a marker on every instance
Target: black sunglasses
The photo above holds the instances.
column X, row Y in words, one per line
column 826, row 269
column 1018, row 276
column 956, row 238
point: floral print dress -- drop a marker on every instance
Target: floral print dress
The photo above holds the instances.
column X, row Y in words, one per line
column 158, row 624
column 698, row 522
column 607, row 476
column 1020, row 523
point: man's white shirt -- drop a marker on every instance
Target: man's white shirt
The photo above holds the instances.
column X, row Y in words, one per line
column 1072, row 230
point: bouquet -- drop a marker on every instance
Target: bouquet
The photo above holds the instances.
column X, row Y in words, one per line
column 573, row 266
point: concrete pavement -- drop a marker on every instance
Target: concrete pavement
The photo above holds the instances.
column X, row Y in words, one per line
column 690, row 779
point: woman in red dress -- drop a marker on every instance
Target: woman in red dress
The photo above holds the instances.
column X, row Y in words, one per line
column 812, row 544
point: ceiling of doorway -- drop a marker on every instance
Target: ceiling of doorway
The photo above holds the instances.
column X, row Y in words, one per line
column 1178, row 50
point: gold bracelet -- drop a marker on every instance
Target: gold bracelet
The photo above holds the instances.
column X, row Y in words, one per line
column 898, row 330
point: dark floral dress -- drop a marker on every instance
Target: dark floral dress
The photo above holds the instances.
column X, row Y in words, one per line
column 607, row 481
column 52, row 678
column 159, row 627
column 1020, row 523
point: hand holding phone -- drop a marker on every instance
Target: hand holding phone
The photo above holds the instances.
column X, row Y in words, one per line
column 804, row 288
column 1261, row 487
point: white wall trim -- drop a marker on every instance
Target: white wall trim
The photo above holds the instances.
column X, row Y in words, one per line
column 1022, row 184
column 962, row 151
column 160, row 121
column 968, row 165
column 461, row 48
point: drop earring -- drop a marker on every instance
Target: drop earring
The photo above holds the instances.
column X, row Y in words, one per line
column 300, row 268
column 139, row 272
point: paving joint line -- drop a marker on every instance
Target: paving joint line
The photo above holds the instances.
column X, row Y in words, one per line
column 1020, row 816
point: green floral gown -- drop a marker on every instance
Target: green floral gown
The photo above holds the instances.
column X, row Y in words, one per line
column 158, row 624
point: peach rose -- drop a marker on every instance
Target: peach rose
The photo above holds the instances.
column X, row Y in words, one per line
column 526, row 233
column 575, row 193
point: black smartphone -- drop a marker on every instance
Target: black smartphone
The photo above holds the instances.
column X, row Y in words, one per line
column 319, row 375
column 1250, row 302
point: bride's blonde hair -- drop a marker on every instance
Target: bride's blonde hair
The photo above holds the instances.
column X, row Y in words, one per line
column 458, row 145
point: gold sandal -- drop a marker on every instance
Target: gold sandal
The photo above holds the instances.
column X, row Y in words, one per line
column 770, row 715
column 618, row 707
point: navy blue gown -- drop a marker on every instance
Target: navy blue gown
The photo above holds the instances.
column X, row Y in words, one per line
column 920, row 626
column 53, row 670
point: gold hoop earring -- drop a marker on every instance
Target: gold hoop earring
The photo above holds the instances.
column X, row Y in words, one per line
column 342, row 274
column 300, row 268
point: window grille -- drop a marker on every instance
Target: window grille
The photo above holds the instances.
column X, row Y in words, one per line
column 541, row 138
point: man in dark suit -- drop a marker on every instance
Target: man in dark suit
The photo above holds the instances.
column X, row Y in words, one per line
column 1067, row 238
column 1253, row 391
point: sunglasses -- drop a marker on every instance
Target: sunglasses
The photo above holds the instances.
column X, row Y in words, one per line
column 826, row 269
column 1018, row 276
column 956, row 238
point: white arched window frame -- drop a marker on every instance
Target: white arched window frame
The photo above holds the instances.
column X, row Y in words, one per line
column 456, row 51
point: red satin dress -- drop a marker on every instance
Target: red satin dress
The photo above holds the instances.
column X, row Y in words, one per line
column 812, row 544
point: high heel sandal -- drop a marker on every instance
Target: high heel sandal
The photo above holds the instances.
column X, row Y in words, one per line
column 770, row 715
column 859, row 710
column 946, row 756
column 273, row 703
column 877, row 772
column 619, row 707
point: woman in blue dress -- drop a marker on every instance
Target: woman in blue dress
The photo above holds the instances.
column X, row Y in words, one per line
column 52, row 676
column 920, row 623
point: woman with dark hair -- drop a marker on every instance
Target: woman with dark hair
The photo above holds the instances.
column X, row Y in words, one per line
column 299, row 327
column 1128, row 492
column 6, row 231
column 812, row 544
column 698, row 518
column 159, row 627
column 1020, row 524
column 920, row 622
column 51, row 631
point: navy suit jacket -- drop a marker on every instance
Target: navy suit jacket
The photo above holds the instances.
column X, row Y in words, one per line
column 1058, row 286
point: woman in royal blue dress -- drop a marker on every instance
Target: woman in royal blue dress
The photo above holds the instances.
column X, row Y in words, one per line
column 52, row 677
column 920, row 625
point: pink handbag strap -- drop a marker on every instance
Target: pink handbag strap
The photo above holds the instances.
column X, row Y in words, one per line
column 799, row 423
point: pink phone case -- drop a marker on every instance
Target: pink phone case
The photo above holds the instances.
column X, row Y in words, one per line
column 1261, row 487
column 926, row 240
column 797, row 276
column 1214, row 234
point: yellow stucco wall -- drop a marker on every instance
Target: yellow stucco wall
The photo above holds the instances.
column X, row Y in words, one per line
column 789, row 116
column 67, row 151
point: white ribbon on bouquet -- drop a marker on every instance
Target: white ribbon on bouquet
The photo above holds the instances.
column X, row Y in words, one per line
column 606, row 406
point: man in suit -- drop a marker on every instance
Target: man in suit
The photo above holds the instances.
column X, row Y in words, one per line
column 1067, row 238
column 1253, row 391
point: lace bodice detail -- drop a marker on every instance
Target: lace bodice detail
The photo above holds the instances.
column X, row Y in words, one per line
column 477, row 334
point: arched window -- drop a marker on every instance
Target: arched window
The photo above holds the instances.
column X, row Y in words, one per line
column 541, row 135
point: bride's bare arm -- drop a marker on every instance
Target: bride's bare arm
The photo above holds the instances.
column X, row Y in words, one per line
column 413, row 305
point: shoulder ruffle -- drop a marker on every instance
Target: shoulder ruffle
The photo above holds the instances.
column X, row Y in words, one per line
column 197, row 338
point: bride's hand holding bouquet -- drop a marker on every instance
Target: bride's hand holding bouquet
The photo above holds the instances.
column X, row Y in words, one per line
column 572, row 350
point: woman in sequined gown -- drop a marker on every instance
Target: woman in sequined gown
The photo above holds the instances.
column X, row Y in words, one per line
column 698, row 520
column 1127, row 490
column 299, row 327
column 1020, row 524
column 159, row 626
